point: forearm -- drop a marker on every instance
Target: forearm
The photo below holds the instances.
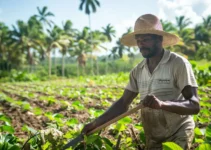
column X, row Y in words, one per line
column 182, row 107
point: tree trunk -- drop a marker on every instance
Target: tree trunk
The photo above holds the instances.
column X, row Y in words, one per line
column 55, row 63
column 82, row 60
column 106, row 62
column 78, row 69
column 97, row 67
column 92, row 71
column 49, row 62
column 30, row 58
column 63, row 63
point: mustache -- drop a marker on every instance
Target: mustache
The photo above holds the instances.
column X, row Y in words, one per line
column 144, row 48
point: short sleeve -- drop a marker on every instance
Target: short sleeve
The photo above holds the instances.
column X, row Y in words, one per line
column 132, row 84
column 185, row 76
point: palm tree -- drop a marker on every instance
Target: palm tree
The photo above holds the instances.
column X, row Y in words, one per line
column 119, row 49
column 109, row 32
column 207, row 26
column 56, row 39
column 187, row 36
column 168, row 26
column 4, row 37
column 68, row 34
column 187, row 46
column 84, row 46
column 43, row 15
column 51, row 41
column 68, row 28
column 27, row 35
column 201, row 34
column 98, row 39
column 81, row 46
column 207, row 22
column 203, row 31
column 65, row 43
column 5, row 47
column 90, row 6
column 80, row 49
column 182, row 23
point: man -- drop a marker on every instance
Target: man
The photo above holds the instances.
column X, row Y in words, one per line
column 166, row 84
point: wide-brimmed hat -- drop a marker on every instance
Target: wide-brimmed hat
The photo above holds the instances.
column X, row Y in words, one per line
column 149, row 24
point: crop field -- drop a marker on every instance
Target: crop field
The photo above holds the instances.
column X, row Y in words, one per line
column 46, row 115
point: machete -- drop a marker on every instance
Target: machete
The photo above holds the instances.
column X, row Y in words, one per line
column 79, row 138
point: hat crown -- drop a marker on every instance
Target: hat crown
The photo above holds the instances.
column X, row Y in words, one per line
column 148, row 22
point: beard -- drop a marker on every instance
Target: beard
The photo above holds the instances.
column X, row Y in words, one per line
column 149, row 52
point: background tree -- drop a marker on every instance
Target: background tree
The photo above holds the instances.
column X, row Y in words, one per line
column 26, row 37
column 119, row 49
column 181, row 23
column 4, row 46
column 168, row 26
column 109, row 32
column 54, row 40
column 187, row 44
column 82, row 46
column 43, row 16
column 79, row 50
column 90, row 6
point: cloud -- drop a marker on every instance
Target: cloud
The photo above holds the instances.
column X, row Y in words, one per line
column 1, row 14
column 123, row 25
column 207, row 11
column 193, row 9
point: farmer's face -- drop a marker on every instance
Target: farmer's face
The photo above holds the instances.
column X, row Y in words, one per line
column 148, row 44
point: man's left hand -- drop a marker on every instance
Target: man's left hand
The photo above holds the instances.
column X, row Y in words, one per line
column 152, row 102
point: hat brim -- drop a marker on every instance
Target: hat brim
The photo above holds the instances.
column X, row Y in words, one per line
column 168, row 38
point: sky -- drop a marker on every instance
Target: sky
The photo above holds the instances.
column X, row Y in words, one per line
column 119, row 13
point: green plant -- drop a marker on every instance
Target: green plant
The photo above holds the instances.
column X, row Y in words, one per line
column 6, row 127
column 8, row 142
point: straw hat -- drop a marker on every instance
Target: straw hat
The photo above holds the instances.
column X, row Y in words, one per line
column 149, row 24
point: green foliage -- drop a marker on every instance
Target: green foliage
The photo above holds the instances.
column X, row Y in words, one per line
column 171, row 146
column 203, row 76
column 77, row 105
column 72, row 122
column 52, row 139
column 5, row 119
column 202, row 73
column 8, row 142
column 17, row 76
column 37, row 111
column 95, row 113
column 208, row 134
column 95, row 142
column 6, row 127
column 204, row 52
column 90, row 95
column 205, row 146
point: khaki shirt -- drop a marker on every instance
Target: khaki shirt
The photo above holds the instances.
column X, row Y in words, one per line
column 166, row 82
